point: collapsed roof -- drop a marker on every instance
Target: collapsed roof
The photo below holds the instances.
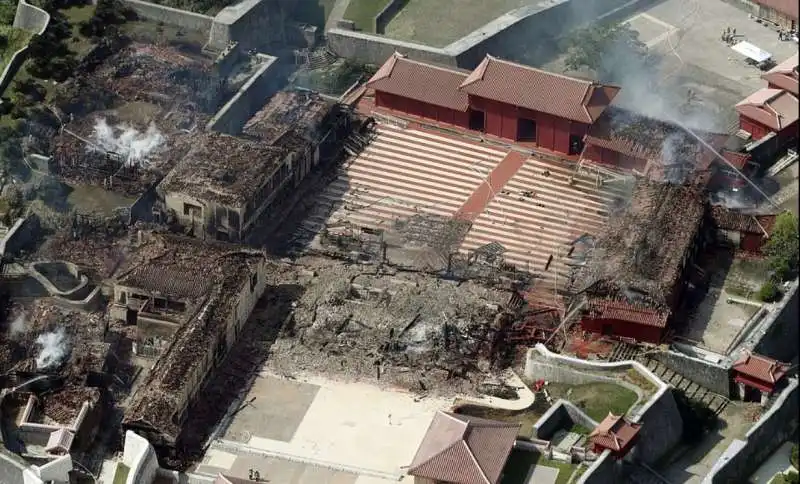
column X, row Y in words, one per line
column 173, row 380
column 641, row 253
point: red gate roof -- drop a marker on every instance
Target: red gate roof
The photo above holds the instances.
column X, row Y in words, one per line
column 761, row 367
column 614, row 432
column 518, row 85
column 423, row 82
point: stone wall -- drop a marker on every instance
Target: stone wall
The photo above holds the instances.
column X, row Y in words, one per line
column 713, row 376
column 605, row 470
column 742, row 457
column 249, row 99
column 140, row 457
column 387, row 14
column 374, row 49
column 561, row 415
column 779, row 340
column 22, row 235
column 251, row 23
column 171, row 16
column 659, row 416
column 32, row 19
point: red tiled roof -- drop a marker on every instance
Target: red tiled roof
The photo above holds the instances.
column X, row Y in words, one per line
column 422, row 82
column 727, row 219
column 761, row 367
column 784, row 75
column 625, row 311
column 537, row 90
column 464, row 450
column 774, row 108
column 736, row 159
column 614, row 432
column 786, row 7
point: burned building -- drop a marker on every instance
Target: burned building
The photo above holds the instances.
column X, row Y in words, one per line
column 636, row 273
column 198, row 293
column 224, row 184
column 118, row 117
column 648, row 147
column 54, row 369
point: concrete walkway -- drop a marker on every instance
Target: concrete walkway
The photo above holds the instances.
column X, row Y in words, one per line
column 337, row 13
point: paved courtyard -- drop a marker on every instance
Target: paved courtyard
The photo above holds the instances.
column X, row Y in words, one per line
column 313, row 430
column 688, row 35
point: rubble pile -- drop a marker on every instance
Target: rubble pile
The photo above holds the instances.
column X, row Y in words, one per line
column 407, row 329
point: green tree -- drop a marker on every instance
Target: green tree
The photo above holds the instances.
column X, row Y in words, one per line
column 8, row 10
column 606, row 50
column 794, row 459
column 783, row 246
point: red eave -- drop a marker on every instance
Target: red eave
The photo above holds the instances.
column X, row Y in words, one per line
column 624, row 311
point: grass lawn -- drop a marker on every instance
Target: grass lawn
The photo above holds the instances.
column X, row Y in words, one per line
column 422, row 20
column 363, row 13
column 526, row 417
column 17, row 39
column 596, row 399
column 520, row 464
column 121, row 474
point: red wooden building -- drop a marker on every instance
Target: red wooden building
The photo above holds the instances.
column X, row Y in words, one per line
column 769, row 111
column 615, row 434
column 743, row 231
column 499, row 98
column 624, row 320
column 756, row 374
column 784, row 76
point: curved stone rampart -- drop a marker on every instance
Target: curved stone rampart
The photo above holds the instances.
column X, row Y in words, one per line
column 34, row 20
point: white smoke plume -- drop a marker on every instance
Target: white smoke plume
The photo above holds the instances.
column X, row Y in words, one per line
column 55, row 347
column 18, row 325
column 134, row 146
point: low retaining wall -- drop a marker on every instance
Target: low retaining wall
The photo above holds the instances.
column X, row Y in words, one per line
column 373, row 49
column 555, row 418
column 22, row 234
column 387, row 14
column 661, row 422
column 140, row 457
column 30, row 18
column 235, row 113
column 715, row 377
column 171, row 16
column 742, row 457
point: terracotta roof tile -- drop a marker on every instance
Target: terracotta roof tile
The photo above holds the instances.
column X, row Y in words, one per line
column 537, row 90
column 625, row 311
column 464, row 450
column 168, row 281
column 727, row 219
column 784, row 75
column 614, row 432
column 761, row 367
column 422, row 82
column 774, row 108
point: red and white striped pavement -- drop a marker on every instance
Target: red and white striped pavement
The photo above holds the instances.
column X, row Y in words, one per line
column 536, row 215
column 404, row 172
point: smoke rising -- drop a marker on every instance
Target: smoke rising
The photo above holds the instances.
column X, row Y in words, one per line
column 134, row 146
column 55, row 347
column 18, row 325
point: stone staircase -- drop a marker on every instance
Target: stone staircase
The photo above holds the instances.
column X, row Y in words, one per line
column 320, row 59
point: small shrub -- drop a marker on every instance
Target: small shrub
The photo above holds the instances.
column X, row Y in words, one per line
column 769, row 292
column 794, row 459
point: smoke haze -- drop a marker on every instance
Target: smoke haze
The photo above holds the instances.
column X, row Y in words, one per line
column 18, row 325
column 55, row 347
column 134, row 146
